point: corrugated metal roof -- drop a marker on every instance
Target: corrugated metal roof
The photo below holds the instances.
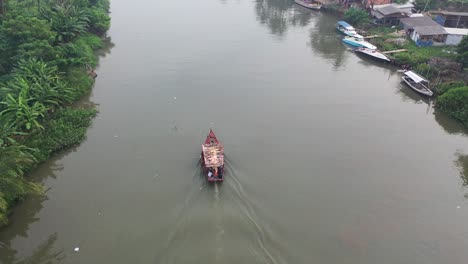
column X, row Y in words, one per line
column 399, row 6
column 418, row 21
column 457, row 31
column 416, row 78
column 424, row 25
column 430, row 30
column 388, row 10
column 451, row 13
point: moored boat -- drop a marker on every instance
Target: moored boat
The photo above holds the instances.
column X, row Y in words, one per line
column 309, row 4
column 346, row 29
column 373, row 53
column 358, row 42
column 212, row 158
column 417, row 83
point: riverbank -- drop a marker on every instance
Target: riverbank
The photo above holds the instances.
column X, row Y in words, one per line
column 439, row 64
column 47, row 57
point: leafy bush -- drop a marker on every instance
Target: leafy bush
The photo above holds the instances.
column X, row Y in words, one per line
column 356, row 16
column 444, row 87
column 78, row 53
column 80, row 81
column 455, row 103
column 24, row 37
column 66, row 128
column 462, row 50
column 15, row 159
column 67, row 20
column 99, row 21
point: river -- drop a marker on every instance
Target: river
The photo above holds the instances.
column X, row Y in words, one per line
column 329, row 158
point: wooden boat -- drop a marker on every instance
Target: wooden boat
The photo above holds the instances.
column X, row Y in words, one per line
column 309, row 4
column 212, row 158
column 358, row 42
column 372, row 53
column 346, row 29
column 417, row 83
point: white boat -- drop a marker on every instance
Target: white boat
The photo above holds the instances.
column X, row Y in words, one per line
column 373, row 53
column 417, row 83
column 309, row 4
column 358, row 42
column 346, row 29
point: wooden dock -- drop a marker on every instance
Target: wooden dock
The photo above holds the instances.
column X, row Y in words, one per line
column 394, row 51
column 372, row 36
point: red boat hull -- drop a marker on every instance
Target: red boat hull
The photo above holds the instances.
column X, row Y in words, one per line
column 212, row 158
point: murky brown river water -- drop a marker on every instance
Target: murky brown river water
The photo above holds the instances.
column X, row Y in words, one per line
column 329, row 158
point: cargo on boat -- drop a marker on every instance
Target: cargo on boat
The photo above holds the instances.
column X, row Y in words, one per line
column 212, row 158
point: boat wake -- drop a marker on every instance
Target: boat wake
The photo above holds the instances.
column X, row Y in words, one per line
column 202, row 220
column 263, row 235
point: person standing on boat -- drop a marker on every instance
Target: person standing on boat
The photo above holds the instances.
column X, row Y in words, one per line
column 210, row 174
column 216, row 172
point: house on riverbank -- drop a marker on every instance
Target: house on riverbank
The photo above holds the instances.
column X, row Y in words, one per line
column 372, row 3
column 451, row 19
column 388, row 15
column 424, row 31
column 407, row 8
column 455, row 35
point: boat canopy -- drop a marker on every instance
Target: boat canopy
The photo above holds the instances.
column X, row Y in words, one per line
column 345, row 25
column 416, row 78
column 213, row 155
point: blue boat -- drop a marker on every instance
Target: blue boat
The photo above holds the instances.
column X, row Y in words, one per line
column 346, row 29
column 358, row 42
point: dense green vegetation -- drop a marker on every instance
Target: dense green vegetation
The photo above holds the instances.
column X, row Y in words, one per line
column 46, row 50
column 356, row 16
column 454, row 102
column 459, row 5
column 462, row 51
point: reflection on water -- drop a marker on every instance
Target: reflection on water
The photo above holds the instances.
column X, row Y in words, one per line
column 462, row 164
column 450, row 125
column 45, row 253
column 409, row 95
column 325, row 42
column 25, row 215
column 108, row 45
column 278, row 15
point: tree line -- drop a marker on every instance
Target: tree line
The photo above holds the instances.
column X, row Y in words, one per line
column 46, row 50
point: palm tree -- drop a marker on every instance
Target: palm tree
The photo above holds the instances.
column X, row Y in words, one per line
column 45, row 82
column 20, row 113
column 67, row 21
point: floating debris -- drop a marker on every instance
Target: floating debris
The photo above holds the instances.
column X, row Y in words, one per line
column 458, row 207
column 116, row 136
column 77, row 249
column 175, row 98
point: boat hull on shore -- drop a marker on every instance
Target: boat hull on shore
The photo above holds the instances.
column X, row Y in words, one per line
column 346, row 29
column 310, row 5
column 358, row 43
column 372, row 54
column 417, row 83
